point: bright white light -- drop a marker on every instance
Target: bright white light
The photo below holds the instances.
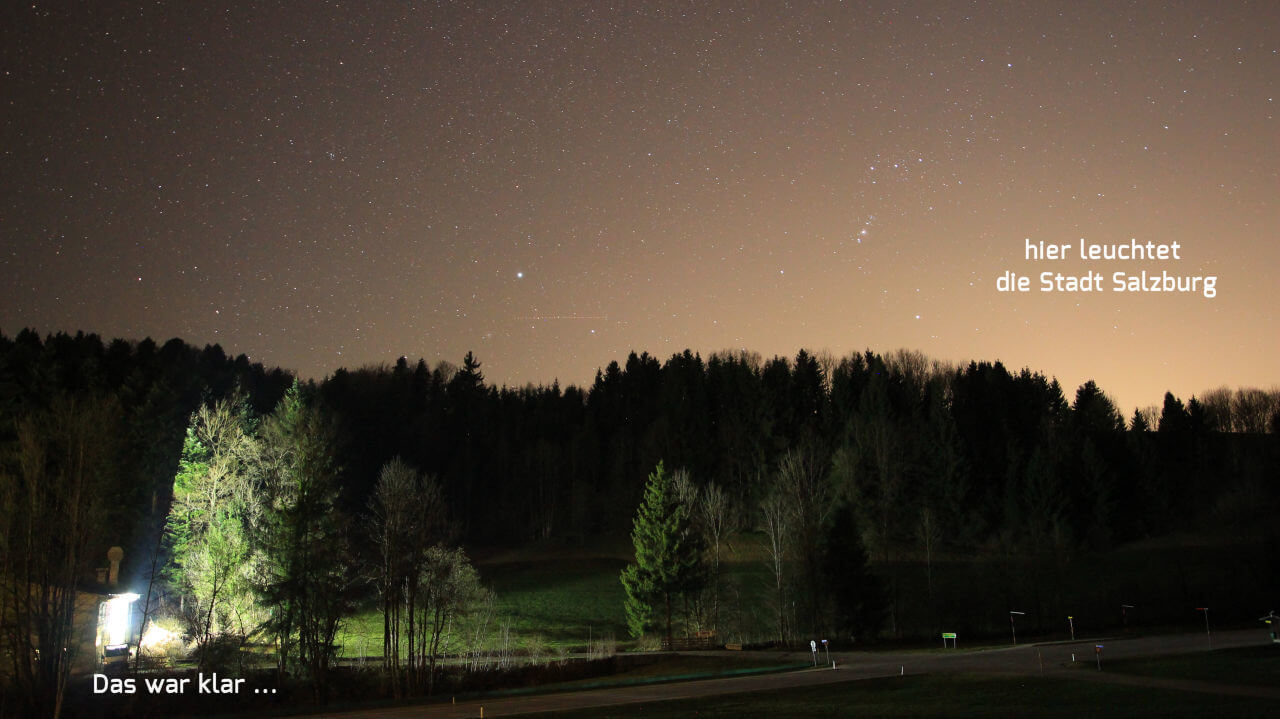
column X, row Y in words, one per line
column 157, row 636
column 117, row 624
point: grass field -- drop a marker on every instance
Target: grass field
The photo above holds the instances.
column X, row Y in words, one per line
column 566, row 603
column 1255, row 666
column 557, row 598
column 562, row 600
column 553, row 603
column 954, row 696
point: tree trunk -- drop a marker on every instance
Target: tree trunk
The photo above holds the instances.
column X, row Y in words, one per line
column 668, row 597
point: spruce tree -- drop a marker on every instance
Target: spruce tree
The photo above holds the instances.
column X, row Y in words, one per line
column 856, row 594
column 301, row 538
column 668, row 555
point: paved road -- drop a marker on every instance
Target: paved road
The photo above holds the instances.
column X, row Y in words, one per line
column 1055, row 658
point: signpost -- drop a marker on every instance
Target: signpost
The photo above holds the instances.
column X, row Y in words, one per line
column 827, row 650
column 1124, row 614
column 946, row 636
column 1270, row 620
column 1097, row 652
column 1207, row 633
column 1013, row 628
column 813, row 647
column 1072, row 623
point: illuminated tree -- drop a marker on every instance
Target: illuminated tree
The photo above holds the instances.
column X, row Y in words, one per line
column 449, row 589
column 213, row 498
column 668, row 555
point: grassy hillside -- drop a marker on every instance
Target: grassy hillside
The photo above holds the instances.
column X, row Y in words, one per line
column 556, row 598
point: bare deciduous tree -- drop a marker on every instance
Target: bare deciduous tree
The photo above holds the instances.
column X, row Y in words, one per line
column 214, row 498
column 408, row 517
column 717, row 527
column 449, row 589
column 51, row 511
column 777, row 532
column 802, row 479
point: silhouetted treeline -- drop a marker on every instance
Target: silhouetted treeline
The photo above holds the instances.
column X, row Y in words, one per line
column 152, row 390
column 984, row 454
column 932, row 456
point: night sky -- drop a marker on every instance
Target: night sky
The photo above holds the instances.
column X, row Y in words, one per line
column 553, row 184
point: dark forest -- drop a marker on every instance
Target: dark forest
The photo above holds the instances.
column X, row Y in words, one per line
column 916, row 473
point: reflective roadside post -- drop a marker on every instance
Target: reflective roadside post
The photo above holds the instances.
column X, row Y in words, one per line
column 1072, row 623
column 1270, row 620
column 1207, row 633
column 1013, row 628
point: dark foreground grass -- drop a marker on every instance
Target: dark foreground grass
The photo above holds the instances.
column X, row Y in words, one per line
column 681, row 667
column 953, row 696
column 1254, row 666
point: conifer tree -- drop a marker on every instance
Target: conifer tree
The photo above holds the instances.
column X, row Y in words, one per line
column 855, row 593
column 305, row 576
column 668, row 555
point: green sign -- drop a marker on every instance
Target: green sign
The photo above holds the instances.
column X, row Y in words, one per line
column 948, row 635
